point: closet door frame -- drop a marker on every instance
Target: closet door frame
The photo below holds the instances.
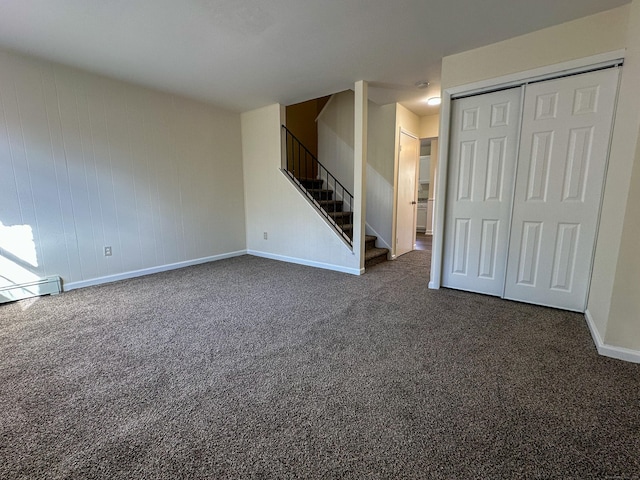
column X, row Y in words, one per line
column 583, row 65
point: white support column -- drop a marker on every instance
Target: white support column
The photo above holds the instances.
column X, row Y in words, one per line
column 359, row 170
column 440, row 193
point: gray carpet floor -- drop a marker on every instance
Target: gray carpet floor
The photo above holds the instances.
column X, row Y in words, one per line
column 251, row 368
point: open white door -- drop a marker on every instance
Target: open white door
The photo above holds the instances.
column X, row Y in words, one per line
column 406, row 208
column 484, row 140
column 561, row 167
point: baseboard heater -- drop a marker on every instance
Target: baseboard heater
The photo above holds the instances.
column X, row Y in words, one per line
column 43, row 286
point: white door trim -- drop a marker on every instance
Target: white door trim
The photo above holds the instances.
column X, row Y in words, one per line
column 396, row 160
column 394, row 233
column 411, row 134
column 538, row 74
column 547, row 72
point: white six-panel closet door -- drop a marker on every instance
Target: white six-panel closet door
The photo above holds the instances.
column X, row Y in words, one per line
column 484, row 137
column 564, row 145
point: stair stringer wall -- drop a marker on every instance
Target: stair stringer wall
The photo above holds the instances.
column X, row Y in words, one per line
column 295, row 230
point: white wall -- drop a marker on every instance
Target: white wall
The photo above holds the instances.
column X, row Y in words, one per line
column 612, row 308
column 383, row 142
column 430, row 126
column 623, row 326
column 335, row 137
column 380, row 172
column 620, row 228
column 336, row 151
column 433, row 171
column 408, row 122
column 86, row 162
column 296, row 231
column 600, row 33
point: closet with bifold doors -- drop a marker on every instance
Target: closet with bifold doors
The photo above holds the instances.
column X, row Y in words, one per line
column 525, row 180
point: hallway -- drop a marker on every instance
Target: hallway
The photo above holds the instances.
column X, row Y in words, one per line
column 423, row 241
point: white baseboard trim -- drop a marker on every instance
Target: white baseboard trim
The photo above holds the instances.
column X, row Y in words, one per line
column 308, row 263
column 619, row 353
column 149, row 271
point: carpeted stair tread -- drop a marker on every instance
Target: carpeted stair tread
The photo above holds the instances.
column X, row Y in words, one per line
column 333, row 209
column 375, row 252
column 372, row 254
column 331, row 205
column 370, row 241
column 320, row 193
column 340, row 215
column 309, row 183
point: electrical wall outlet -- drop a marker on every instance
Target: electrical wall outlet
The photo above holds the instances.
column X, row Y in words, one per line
column 265, row 235
column 107, row 251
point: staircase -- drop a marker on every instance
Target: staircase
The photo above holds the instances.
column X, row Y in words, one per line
column 332, row 208
column 323, row 197
column 327, row 194
column 372, row 254
column 319, row 185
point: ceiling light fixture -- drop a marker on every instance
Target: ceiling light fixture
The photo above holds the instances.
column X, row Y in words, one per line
column 433, row 101
column 421, row 84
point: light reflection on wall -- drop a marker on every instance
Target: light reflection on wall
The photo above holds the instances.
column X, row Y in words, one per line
column 18, row 256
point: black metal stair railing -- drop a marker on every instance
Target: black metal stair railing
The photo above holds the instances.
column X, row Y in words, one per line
column 323, row 189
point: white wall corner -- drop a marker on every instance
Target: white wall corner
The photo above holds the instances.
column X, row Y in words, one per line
column 437, row 252
column 324, row 108
column 360, row 168
column 619, row 353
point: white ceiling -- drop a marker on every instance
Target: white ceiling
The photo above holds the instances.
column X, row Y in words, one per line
column 244, row 54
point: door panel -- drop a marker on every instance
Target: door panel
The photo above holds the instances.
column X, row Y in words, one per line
column 480, row 190
column 488, row 249
column 407, row 193
column 560, row 176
